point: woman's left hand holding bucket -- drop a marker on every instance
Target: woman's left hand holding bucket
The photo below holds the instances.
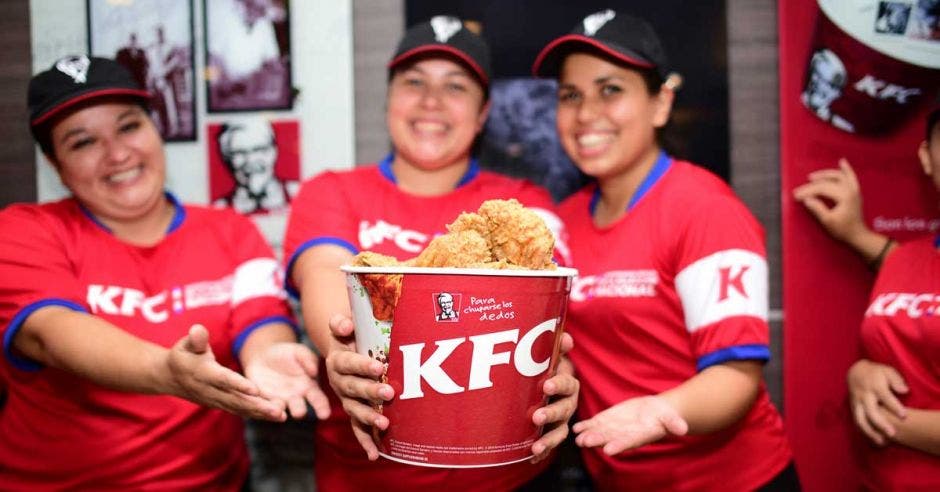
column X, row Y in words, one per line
column 562, row 390
column 354, row 378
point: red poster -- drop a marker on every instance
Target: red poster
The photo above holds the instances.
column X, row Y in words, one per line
column 254, row 164
column 856, row 81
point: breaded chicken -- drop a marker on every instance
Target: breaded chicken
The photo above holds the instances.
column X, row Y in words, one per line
column 501, row 235
column 514, row 234
column 384, row 288
column 463, row 249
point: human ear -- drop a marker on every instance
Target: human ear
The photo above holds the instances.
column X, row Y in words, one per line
column 664, row 100
column 923, row 152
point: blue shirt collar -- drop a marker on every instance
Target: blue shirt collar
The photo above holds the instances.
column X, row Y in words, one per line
column 385, row 167
column 662, row 164
column 179, row 214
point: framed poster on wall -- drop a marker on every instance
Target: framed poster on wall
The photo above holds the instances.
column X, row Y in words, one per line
column 248, row 55
column 154, row 40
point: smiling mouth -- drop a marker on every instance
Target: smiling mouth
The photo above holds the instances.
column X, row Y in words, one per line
column 125, row 176
column 594, row 140
column 429, row 127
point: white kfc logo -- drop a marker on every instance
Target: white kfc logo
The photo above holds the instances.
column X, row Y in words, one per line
column 595, row 21
column 371, row 235
column 75, row 67
column 127, row 302
column 482, row 361
column 444, row 27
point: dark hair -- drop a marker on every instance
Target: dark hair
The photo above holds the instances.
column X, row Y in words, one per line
column 415, row 59
column 932, row 119
column 651, row 77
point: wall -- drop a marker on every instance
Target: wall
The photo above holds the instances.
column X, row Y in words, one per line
column 321, row 40
column 18, row 182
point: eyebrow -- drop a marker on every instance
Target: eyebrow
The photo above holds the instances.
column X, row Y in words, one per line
column 129, row 112
column 606, row 79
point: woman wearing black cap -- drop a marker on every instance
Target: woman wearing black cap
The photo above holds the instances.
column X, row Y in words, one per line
column 119, row 304
column 671, row 323
column 436, row 105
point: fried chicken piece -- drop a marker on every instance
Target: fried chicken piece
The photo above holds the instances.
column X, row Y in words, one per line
column 501, row 235
column 384, row 288
column 463, row 249
column 513, row 233
column 370, row 259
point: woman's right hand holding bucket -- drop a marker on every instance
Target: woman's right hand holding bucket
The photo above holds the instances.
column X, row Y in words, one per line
column 355, row 379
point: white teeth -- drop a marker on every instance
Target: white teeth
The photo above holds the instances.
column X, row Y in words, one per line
column 593, row 139
column 125, row 175
column 428, row 126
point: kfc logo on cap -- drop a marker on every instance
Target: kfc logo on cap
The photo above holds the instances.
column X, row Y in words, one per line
column 75, row 67
column 444, row 27
column 447, row 307
column 594, row 22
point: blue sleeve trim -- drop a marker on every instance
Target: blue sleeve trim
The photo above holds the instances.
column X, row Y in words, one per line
column 288, row 285
column 243, row 336
column 17, row 322
column 738, row 352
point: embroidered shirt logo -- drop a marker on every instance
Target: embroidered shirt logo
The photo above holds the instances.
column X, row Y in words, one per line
column 445, row 27
column 371, row 235
column 594, row 22
column 75, row 67
column 624, row 283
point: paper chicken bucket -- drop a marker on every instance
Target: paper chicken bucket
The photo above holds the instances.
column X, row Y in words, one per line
column 467, row 351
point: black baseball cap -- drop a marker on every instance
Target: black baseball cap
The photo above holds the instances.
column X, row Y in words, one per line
column 446, row 35
column 933, row 118
column 623, row 37
column 75, row 79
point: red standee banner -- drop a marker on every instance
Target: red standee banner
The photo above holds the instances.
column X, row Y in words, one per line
column 857, row 78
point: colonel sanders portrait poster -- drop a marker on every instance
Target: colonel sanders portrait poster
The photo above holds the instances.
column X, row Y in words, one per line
column 254, row 164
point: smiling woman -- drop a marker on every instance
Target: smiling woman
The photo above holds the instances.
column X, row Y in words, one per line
column 671, row 325
column 437, row 102
column 120, row 304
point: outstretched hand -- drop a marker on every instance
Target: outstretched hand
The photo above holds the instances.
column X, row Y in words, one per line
column 287, row 372
column 843, row 220
column 355, row 379
column 873, row 390
column 630, row 424
column 197, row 376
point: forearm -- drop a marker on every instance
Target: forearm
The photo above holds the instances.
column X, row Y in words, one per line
column 920, row 430
column 717, row 397
column 93, row 348
column 322, row 289
column 869, row 244
column 262, row 338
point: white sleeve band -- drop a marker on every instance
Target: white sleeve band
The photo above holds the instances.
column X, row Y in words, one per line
column 728, row 283
column 258, row 277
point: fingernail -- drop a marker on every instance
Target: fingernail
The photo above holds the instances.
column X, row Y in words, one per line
column 386, row 392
